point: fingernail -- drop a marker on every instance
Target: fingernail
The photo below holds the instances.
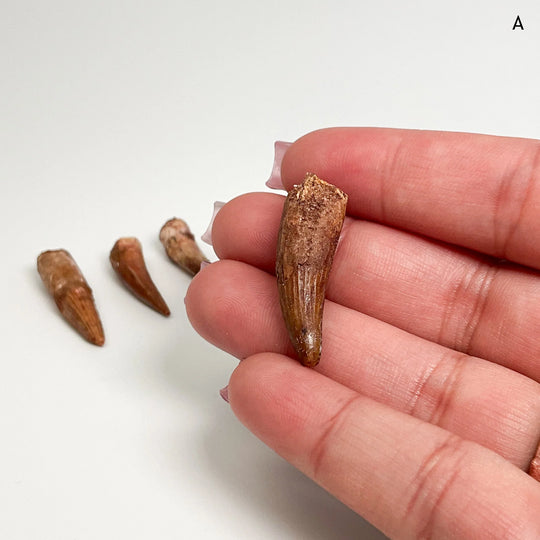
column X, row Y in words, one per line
column 274, row 182
column 204, row 264
column 224, row 393
column 207, row 236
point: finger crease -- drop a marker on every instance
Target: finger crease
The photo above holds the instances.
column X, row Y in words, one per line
column 503, row 195
column 392, row 168
column 434, row 480
column 439, row 393
column 323, row 443
column 458, row 328
column 485, row 276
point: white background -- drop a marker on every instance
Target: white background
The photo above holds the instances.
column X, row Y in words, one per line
column 117, row 115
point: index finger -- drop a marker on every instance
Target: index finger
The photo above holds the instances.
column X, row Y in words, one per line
column 477, row 191
column 409, row 478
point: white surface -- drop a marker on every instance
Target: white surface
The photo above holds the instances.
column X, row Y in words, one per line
column 116, row 116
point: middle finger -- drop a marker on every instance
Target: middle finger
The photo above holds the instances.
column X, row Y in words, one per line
column 455, row 297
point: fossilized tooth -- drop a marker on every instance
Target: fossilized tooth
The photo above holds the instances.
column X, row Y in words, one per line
column 534, row 469
column 311, row 223
column 71, row 292
column 180, row 245
column 128, row 262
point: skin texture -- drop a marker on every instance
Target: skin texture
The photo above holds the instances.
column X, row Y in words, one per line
column 423, row 414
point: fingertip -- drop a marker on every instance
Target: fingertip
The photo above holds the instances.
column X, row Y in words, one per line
column 235, row 307
column 212, row 302
column 246, row 229
column 195, row 294
column 260, row 395
column 251, row 380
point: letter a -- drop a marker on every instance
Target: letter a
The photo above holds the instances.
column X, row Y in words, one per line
column 518, row 24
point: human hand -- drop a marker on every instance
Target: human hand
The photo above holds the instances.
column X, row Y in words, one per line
column 424, row 413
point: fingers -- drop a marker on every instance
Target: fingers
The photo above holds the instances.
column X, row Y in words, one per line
column 478, row 191
column 463, row 301
column 409, row 478
column 235, row 306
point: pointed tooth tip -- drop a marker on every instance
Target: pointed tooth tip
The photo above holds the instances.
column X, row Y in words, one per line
column 93, row 333
column 150, row 296
column 98, row 340
column 310, row 359
column 155, row 302
column 163, row 309
column 159, row 304
column 79, row 309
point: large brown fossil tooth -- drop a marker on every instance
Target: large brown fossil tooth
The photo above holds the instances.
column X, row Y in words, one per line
column 311, row 223
column 128, row 262
column 71, row 292
column 180, row 245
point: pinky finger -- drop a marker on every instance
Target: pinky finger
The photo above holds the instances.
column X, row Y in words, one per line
column 409, row 478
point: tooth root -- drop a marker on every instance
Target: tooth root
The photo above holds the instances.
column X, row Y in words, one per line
column 71, row 292
column 180, row 245
column 128, row 262
column 311, row 223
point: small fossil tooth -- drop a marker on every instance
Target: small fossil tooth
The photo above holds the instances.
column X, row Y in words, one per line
column 311, row 223
column 128, row 262
column 71, row 292
column 180, row 245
